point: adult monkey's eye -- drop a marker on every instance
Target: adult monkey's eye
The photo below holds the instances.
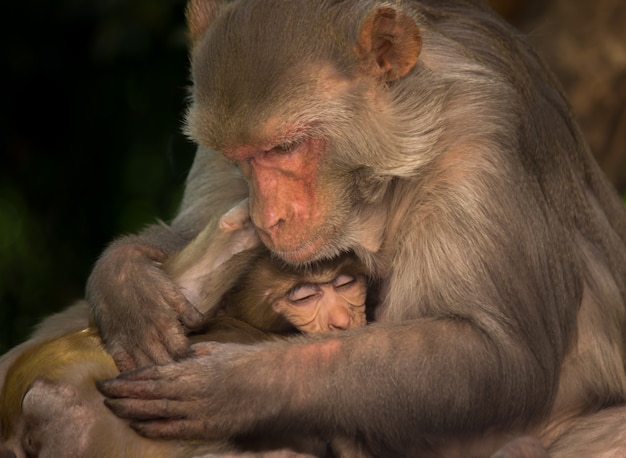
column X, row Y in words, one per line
column 302, row 293
column 286, row 147
column 343, row 280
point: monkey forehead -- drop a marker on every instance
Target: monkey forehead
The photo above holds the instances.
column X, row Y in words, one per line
column 256, row 62
column 225, row 121
column 275, row 131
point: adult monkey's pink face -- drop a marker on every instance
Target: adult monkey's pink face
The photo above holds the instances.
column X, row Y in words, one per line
column 281, row 103
column 288, row 202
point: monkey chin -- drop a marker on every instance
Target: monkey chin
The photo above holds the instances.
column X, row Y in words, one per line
column 305, row 254
column 315, row 249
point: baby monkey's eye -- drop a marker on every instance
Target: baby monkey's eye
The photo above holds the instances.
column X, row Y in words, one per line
column 302, row 293
column 343, row 280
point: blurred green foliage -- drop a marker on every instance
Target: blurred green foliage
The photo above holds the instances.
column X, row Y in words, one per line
column 92, row 105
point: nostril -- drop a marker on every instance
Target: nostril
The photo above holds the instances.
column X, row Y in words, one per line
column 274, row 226
column 267, row 234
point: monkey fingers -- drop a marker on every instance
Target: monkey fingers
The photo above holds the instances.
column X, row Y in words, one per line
column 187, row 313
column 128, row 361
column 210, row 392
column 183, row 428
column 142, row 410
column 123, row 360
column 138, row 308
column 143, row 383
column 150, row 399
column 156, row 347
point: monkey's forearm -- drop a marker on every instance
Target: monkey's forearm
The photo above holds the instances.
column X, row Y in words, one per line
column 343, row 382
column 215, row 286
column 349, row 379
column 214, row 260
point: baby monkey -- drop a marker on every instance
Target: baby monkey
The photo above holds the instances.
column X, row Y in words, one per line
column 49, row 404
column 266, row 293
column 274, row 297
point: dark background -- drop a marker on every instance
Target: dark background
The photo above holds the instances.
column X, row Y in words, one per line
column 93, row 96
column 92, row 105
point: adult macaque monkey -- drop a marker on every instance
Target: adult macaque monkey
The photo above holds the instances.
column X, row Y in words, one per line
column 427, row 138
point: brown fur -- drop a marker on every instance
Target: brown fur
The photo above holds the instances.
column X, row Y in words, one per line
column 49, row 404
column 462, row 182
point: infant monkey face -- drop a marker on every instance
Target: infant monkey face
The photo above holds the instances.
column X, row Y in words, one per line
column 321, row 307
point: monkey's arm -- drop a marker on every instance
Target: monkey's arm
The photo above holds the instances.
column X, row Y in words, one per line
column 350, row 382
column 213, row 262
column 485, row 337
column 136, row 305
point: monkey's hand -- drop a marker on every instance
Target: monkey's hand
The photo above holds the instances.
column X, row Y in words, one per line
column 139, row 310
column 141, row 296
column 197, row 398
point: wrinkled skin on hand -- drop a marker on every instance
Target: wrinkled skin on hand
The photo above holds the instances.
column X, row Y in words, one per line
column 195, row 398
column 140, row 307
column 146, row 327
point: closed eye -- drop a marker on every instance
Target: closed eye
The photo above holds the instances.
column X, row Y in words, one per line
column 343, row 280
column 302, row 293
column 286, row 148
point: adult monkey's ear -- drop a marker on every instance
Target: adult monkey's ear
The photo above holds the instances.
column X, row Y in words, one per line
column 199, row 14
column 389, row 43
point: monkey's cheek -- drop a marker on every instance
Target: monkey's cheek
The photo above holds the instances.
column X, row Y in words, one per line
column 359, row 319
